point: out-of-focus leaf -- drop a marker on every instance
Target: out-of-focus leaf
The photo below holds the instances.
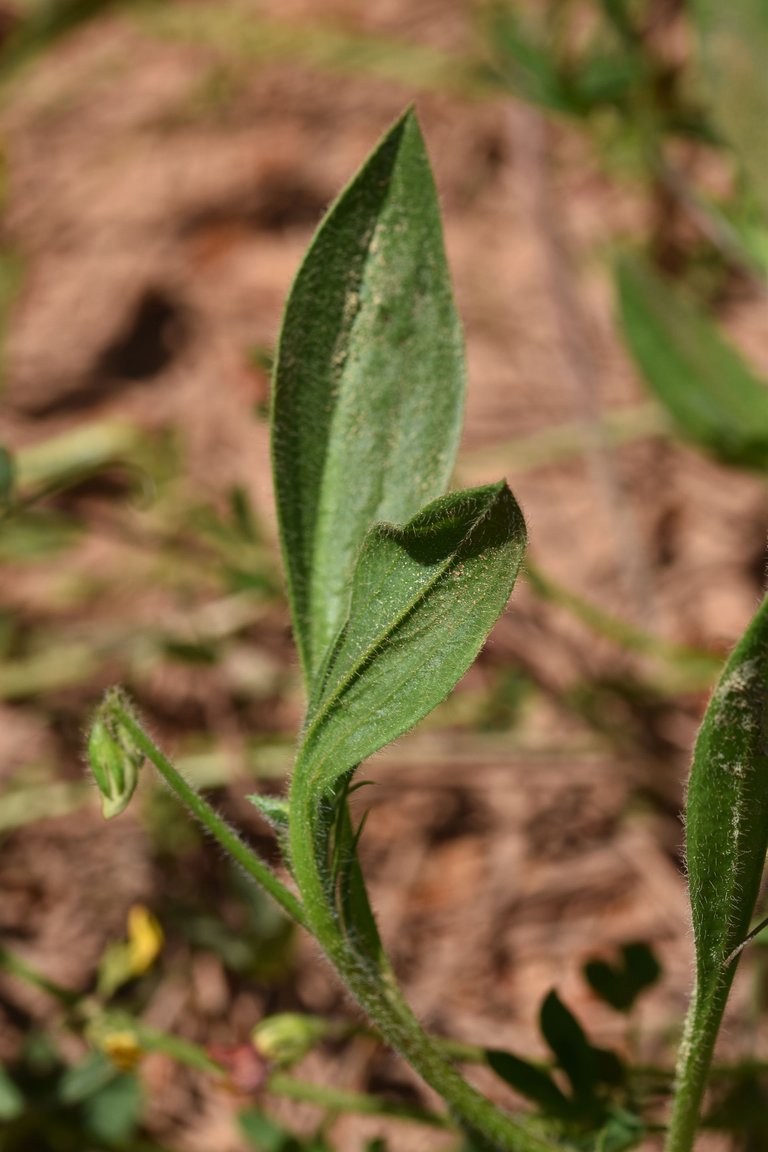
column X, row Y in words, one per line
column 7, row 477
column 264, row 1134
column 531, row 1082
column 525, row 62
column 84, row 1079
column 112, row 1114
column 709, row 390
column 570, row 1046
column 620, row 984
column 11, row 1098
column 733, row 36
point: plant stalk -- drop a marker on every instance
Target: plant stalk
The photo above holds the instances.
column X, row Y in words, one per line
column 380, row 998
column 696, row 1050
column 209, row 818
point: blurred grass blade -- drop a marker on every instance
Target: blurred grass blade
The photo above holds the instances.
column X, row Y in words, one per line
column 733, row 38
column 709, row 390
column 369, row 380
column 424, row 598
column 726, row 841
column 77, row 453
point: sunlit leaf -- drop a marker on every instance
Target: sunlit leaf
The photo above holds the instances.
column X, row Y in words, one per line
column 369, row 381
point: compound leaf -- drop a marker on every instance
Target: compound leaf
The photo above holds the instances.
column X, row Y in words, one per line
column 369, row 381
column 708, row 389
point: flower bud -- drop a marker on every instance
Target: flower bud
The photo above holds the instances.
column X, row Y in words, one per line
column 287, row 1037
column 115, row 764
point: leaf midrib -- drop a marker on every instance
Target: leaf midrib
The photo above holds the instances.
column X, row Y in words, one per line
column 354, row 673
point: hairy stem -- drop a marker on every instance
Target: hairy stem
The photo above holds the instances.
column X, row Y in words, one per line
column 696, row 1049
column 378, row 995
column 209, row 818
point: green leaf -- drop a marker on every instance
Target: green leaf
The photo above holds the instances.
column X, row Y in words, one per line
column 424, row 597
column 7, row 477
column 733, row 38
column 113, row 1113
column 354, row 907
column 83, row 1080
column 726, row 841
column 727, row 806
column 273, row 809
column 623, row 1130
column 569, row 1044
column 620, row 984
column 708, row 389
column 369, row 381
column 531, row 1082
column 263, row 1134
column 11, row 1098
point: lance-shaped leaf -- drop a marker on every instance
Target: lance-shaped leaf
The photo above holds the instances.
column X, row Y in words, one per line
column 369, row 381
column 706, row 386
column 727, row 807
column 424, row 598
column 726, row 841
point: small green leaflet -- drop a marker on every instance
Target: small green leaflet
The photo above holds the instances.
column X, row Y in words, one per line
column 369, row 381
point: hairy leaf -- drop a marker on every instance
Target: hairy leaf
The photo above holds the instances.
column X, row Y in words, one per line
column 703, row 382
column 424, row 598
column 727, row 806
column 726, row 840
column 369, row 381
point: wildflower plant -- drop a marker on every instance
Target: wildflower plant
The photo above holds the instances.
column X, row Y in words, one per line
column 394, row 586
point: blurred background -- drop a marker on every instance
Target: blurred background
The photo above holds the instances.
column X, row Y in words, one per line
column 603, row 177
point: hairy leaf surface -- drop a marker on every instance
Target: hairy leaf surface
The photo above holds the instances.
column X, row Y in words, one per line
column 703, row 382
column 369, row 381
column 727, row 807
column 424, row 598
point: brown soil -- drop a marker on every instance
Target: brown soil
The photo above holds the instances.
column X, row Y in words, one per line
column 162, row 197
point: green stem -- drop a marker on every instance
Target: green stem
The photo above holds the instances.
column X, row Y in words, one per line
column 696, row 1049
column 376, row 992
column 337, row 1100
column 23, row 971
column 209, row 818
